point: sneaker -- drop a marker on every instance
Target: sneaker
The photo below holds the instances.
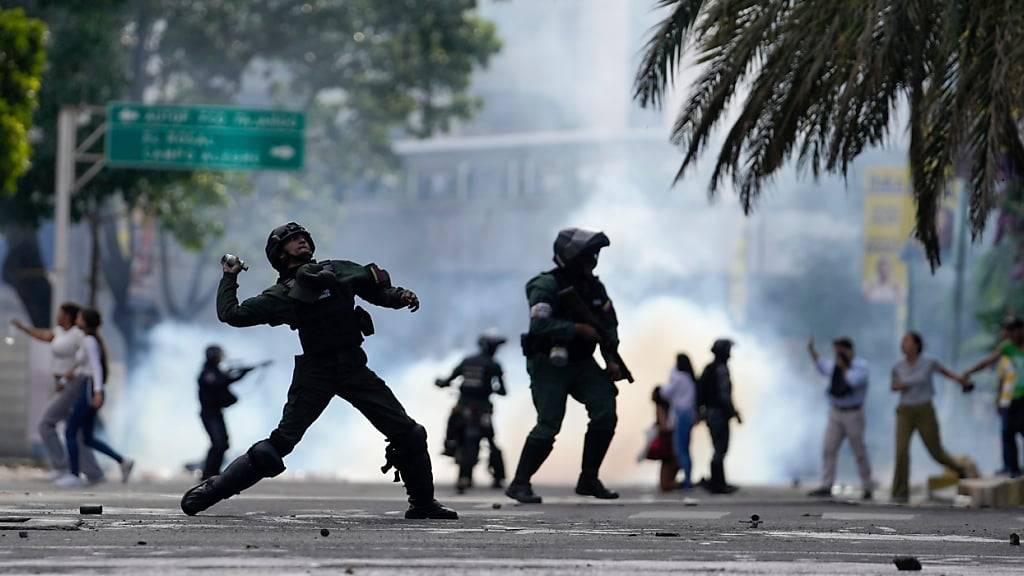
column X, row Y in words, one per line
column 54, row 475
column 126, row 468
column 70, row 481
column 823, row 492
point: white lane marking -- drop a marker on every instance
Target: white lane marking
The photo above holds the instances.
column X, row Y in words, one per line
column 680, row 515
column 478, row 566
column 884, row 537
column 500, row 512
column 867, row 516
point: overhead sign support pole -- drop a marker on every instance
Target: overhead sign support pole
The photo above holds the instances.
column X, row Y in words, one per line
column 69, row 154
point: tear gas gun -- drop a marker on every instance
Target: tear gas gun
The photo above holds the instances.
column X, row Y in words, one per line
column 582, row 313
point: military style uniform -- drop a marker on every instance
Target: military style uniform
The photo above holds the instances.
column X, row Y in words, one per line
column 318, row 301
column 561, row 365
column 214, row 396
column 714, row 400
column 481, row 377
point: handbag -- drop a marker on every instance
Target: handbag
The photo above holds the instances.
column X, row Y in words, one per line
column 660, row 447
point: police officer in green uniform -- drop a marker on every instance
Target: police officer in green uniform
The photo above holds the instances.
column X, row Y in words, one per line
column 317, row 299
column 559, row 351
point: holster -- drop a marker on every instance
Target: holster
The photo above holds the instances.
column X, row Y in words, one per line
column 365, row 321
column 534, row 345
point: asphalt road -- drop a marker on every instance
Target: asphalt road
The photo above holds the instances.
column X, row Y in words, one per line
column 276, row 529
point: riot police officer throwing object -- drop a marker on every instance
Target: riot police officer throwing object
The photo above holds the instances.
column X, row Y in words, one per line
column 317, row 299
column 570, row 315
column 470, row 420
column 214, row 397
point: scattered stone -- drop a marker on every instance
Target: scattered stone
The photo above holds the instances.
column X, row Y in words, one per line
column 90, row 509
column 140, row 543
column 349, row 571
column 755, row 518
column 667, row 534
column 325, row 532
column 250, row 546
column 1014, row 539
column 496, row 506
column 22, row 534
column 907, row 563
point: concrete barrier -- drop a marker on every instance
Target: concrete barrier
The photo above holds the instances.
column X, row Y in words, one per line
column 993, row 492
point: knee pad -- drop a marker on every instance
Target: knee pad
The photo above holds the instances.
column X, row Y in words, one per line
column 413, row 440
column 266, row 459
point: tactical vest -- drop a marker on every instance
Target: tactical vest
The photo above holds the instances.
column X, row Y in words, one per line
column 329, row 324
column 593, row 295
column 477, row 379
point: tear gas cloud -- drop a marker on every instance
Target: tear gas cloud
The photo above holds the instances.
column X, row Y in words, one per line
column 682, row 271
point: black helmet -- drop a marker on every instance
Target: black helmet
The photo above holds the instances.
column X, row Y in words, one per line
column 214, row 352
column 490, row 341
column 572, row 243
column 722, row 346
column 278, row 237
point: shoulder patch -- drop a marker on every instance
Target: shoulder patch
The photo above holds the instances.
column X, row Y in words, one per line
column 540, row 311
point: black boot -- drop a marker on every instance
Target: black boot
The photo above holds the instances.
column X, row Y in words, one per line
column 497, row 467
column 595, row 446
column 239, row 475
column 412, row 462
column 535, row 452
column 591, row 486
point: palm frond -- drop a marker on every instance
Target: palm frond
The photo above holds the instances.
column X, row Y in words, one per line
column 664, row 50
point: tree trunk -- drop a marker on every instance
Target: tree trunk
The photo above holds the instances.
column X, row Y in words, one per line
column 24, row 271
column 199, row 297
column 117, row 272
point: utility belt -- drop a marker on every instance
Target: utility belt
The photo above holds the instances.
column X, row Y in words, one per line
column 558, row 354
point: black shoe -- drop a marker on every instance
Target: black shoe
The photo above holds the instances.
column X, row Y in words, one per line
column 721, row 488
column 463, row 484
column 868, row 495
column 199, row 497
column 431, row 511
column 497, row 484
column 593, row 487
column 523, row 493
column 823, row 492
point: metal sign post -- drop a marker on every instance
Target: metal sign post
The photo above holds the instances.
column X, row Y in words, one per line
column 70, row 153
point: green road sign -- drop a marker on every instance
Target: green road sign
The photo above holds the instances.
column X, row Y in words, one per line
column 203, row 137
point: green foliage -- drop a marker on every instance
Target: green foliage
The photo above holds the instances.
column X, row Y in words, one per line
column 363, row 70
column 825, row 78
column 22, row 53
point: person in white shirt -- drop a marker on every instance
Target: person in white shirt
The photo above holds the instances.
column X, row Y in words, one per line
column 91, row 363
column 681, row 394
column 64, row 339
column 848, row 388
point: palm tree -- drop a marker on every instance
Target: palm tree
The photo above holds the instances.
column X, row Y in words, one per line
column 825, row 79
